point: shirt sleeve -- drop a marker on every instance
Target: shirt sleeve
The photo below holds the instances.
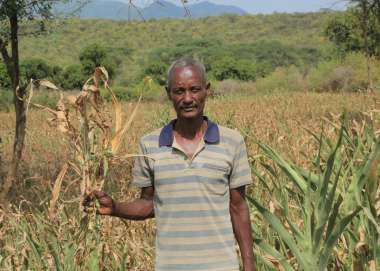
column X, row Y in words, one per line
column 142, row 173
column 241, row 171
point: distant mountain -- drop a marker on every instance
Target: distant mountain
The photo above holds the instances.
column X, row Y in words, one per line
column 118, row 10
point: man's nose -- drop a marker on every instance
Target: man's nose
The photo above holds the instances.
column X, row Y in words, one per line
column 188, row 98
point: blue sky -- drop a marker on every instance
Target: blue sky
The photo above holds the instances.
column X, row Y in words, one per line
column 269, row 6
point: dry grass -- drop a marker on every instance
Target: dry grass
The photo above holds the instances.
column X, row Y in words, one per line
column 278, row 120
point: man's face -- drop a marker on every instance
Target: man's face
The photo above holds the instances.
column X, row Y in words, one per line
column 188, row 92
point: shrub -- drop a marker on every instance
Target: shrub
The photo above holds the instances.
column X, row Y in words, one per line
column 96, row 55
column 35, row 69
column 72, row 77
column 282, row 79
column 230, row 68
column 5, row 81
column 348, row 75
column 157, row 70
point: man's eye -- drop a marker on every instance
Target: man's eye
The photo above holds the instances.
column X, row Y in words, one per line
column 195, row 89
column 178, row 91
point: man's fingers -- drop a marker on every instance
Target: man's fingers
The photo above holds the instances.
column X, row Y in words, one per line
column 99, row 194
column 103, row 211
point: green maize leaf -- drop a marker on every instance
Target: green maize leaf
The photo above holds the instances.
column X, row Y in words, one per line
column 285, row 201
column 364, row 174
column 324, row 214
column 261, row 178
column 314, row 178
column 308, row 213
column 319, row 139
column 333, row 216
column 274, row 253
column 371, row 215
column 286, row 167
column 285, row 236
column 295, row 230
column 270, row 169
column 333, row 238
column 329, row 171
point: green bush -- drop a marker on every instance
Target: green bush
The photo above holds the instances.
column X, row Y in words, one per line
column 73, row 77
column 242, row 61
column 96, row 55
column 121, row 93
column 35, row 69
column 347, row 75
column 157, row 70
column 231, row 68
column 5, row 81
column 282, row 79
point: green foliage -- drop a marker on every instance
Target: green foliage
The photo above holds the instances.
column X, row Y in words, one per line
column 94, row 56
column 347, row 75
column 147, row 48
column 242, row 61
column 73, row 77
column 331, row 196
column 283, row 79
column 157, row 70
column 35, row 69
column 231, row 68
column 5, row 81
column 348, row 32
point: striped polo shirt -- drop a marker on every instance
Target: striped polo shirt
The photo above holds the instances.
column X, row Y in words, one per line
column 192, row 197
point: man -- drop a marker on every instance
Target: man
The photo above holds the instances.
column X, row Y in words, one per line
column 192, row 178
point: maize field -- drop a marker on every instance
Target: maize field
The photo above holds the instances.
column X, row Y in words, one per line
column 314, row 201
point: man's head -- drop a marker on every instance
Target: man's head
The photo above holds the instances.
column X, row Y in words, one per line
column 187, row 87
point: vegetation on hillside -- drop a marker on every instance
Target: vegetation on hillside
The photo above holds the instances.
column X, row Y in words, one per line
column 275, row 52
column 232, row 47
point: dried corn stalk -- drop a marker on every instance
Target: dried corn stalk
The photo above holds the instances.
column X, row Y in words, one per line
column 95, row 143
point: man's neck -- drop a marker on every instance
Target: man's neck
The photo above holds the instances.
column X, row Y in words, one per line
column 190, row 128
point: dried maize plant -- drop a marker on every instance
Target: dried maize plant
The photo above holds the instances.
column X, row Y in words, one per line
column 95, row 139
column 325, row 217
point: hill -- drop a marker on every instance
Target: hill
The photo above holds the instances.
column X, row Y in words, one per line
column 133, row 43
column 117, row 10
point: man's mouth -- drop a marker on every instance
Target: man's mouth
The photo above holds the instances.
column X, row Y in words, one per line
column 188, row 108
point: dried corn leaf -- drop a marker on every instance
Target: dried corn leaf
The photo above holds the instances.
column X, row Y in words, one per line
column 119, row 136
column 56, row 190
column 47, row 84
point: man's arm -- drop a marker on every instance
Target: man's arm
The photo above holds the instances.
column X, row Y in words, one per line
column 241, row 223
column 139, row 209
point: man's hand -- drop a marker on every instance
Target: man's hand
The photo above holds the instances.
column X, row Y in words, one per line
column 139, row 209
column 106, row 203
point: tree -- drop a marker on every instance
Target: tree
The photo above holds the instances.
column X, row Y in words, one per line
column 12, row 14
column 358, row 30
column 96, row 55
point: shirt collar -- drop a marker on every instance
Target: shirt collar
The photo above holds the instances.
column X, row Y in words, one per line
column 211, row 136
